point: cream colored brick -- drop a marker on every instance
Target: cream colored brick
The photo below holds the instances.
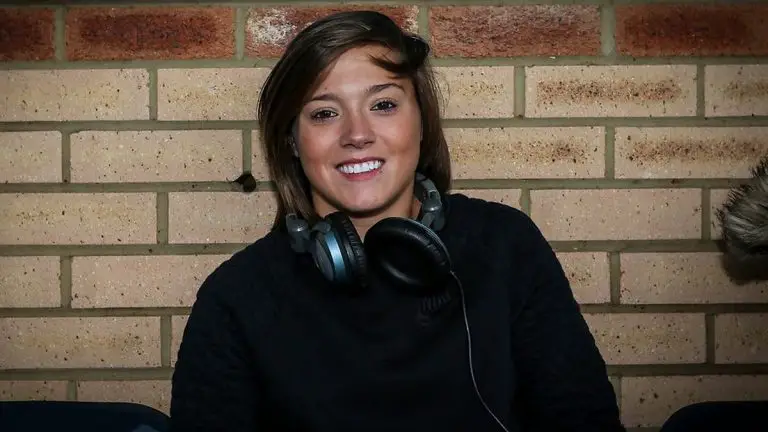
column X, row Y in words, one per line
column 29, row 282
column 178, row 324
column 220, row 217
column 551, row 152
column 610, row 91
column 33, row 390
column 649, row 401
column 588, row 274
column 683, row 277
column 139, row 281
column 510, row 197
column 74, row 94
column 644, row 338
column 617, row 214
column 717, row 198
column 208, row 93
column 688, row 152
column 77, row 218
column 259, row 166
column 477, row 91
column 146, row 156
column 93, row 342
column 736, row 90
column 741, row 338
column 30, row 157
column 155, row 394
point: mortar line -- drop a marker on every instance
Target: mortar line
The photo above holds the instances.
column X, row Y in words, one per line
column 66, row 157
column 700, row 91
column 706, row 219
column 241, row 15
column 247, row 150
column 525, row 201
column 152, row 93
column 165, row 340
column 709, row 335
column 614, row 277
column 610, row 152
column 71, row 390
column 59, row 34
column 422, row 21
column 608, row 31
column 519, row 91
column 65, row 281
column 162, row 217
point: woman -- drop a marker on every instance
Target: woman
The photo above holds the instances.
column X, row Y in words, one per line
column 379, row 301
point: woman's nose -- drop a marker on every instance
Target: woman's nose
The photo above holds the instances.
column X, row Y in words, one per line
column 357, row 131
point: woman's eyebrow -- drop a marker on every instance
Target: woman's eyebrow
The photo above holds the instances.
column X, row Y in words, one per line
column 369, row 91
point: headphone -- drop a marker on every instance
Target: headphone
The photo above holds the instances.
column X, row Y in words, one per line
column 406, row 250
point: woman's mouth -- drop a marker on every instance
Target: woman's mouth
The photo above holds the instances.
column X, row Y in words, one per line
column 361, row 170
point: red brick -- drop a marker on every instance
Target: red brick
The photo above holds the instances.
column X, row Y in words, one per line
column 692, row 29
column 26, row 34
column 150, row 33
column 268, row 30
column 505, row 31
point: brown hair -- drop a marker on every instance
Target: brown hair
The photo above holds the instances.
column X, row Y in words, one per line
column 299, row 71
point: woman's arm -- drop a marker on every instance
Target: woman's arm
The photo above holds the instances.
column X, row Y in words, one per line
column 563, row 378
column 213, row 385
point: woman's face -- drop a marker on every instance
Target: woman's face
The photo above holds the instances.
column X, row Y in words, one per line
column 359, row 138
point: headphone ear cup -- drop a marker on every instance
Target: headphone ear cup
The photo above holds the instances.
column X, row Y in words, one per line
column 351, row 249
column 409, row 252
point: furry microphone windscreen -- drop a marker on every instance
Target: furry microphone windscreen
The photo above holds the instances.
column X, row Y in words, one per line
column 744, row 222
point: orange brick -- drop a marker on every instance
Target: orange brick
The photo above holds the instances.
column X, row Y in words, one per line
column 717, row 198
column 644, row 338
column 94, row 342
column 649, row 401
column 736, row 90
column 588, row 274
column 209, row 94
column 33, row 390
column 29, row 282
column 155, row 394
column 58, row 95
column 77, row 218
column 220, row 217
column 610, row 91
column 741, row 338
column 688, row 152
column 30, row 157
column 259, row 166
column 477, row 91
column 553, row 152
column 617, row 214
column 27, row 34
column 178, row 323
column 200, row 155
column 139, row 281
column 510, row 197
column 676, row 277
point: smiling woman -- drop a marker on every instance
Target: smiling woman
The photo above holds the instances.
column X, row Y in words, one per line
column 379, row 301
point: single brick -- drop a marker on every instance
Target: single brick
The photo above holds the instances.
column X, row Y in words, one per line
column 553, row 152
column 156, row 33
column 93, row 342
column 644, row 338
column 30, row 157
column 588, row 274
column 717, row 198
column 741, row 338
column 209, row 93
column 618, row 214
column 59, row 95
column 678, row 152
column 610, row 91
column 733, row 90
column 477, row 91
column 677, row 277
column 145, row 156
column 77, row 218
column 259, row 166
column 649, row 401
column 29, row 282
column 510, row 197
column 139, row 281
column 691, row 30
column 178, row 324
column 33, row 390
column 269, row 29
column 220, row 217
column 521, row 30
column 26, row 34
column 155, row 394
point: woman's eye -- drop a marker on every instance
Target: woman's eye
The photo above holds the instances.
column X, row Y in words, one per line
column 385, row 106
column 322, row 114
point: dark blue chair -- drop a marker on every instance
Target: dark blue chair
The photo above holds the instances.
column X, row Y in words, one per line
column 79, row 416
column 720, row 416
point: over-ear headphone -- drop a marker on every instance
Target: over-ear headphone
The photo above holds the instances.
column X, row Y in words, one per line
column 406, row 250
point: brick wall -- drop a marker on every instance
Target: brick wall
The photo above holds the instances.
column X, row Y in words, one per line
column 618, row 128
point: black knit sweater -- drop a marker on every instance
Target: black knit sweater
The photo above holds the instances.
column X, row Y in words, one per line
column 271, row 346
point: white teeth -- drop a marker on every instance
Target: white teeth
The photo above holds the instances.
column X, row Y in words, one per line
column 360, row 167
